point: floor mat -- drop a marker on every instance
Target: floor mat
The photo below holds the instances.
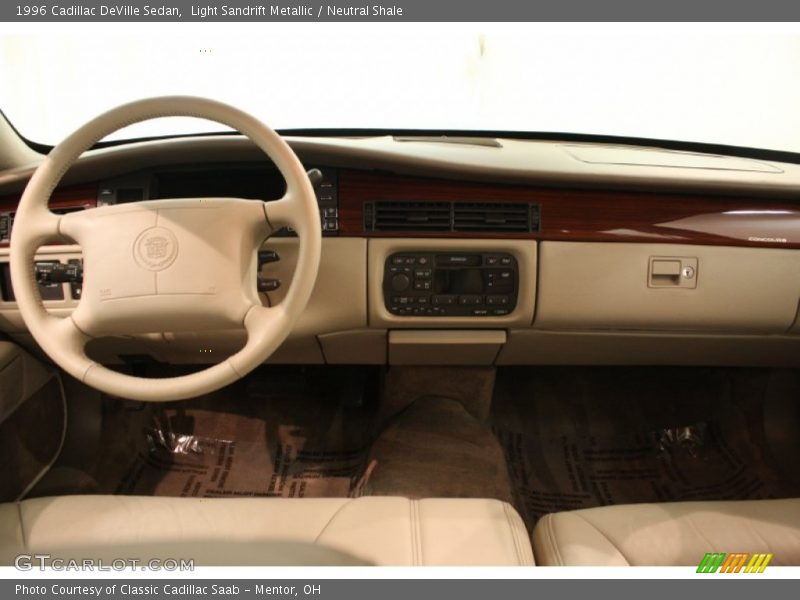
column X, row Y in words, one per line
column 583, row 437
column 254, row 462
column 278, row 433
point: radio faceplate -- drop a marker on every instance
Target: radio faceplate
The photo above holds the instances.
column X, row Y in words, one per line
column 450, row 284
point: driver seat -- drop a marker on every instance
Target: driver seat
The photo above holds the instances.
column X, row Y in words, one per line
column 267, row 531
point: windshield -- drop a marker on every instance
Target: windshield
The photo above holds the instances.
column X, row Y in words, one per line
column 724, row 87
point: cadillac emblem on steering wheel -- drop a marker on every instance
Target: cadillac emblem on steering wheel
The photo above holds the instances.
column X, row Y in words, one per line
column 155, row 249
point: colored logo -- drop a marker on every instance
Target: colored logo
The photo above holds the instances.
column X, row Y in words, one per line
column 740, row 562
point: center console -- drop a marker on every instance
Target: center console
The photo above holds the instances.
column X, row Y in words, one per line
column 450, row 284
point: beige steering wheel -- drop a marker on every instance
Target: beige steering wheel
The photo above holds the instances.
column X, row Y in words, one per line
column 166, row 265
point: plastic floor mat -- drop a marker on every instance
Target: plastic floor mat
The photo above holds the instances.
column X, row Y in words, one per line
column 583, row 437
column 272, row 463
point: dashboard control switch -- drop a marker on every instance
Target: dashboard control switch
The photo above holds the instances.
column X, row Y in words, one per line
column 76, row 284
column 316, row 176
column 400, row 282
column 266, row 257
column 268, row 284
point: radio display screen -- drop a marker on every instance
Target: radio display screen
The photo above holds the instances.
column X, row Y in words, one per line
column 458, row 281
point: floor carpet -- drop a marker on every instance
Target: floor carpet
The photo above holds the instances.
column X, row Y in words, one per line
column 277, row 433
column 583, row 437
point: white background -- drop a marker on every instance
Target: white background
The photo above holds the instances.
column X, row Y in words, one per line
column 729, row 84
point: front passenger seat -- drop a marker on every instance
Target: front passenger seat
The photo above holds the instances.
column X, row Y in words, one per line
column 668, row 534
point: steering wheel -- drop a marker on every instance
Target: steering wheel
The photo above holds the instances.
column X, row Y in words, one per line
column 166, row 265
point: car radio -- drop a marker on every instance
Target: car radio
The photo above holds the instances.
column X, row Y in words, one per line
column 450, row 284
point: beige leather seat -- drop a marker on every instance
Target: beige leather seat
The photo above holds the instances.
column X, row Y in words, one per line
column 246, row 531
column 678, row 533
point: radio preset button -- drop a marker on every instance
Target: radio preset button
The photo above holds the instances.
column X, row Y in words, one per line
column 444, row 299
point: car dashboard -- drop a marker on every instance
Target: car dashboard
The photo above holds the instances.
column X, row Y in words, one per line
column 475, row 251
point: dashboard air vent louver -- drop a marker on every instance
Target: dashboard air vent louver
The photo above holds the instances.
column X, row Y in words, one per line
column 410, row 216
column 501, row 217
column 6, row 223
column 491, row 216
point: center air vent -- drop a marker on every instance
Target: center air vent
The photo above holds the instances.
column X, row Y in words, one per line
column 409, row 216
column 508, row 217
column 488, row 216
